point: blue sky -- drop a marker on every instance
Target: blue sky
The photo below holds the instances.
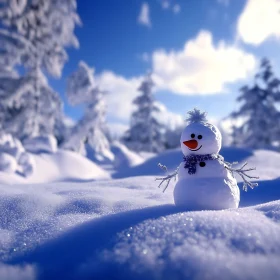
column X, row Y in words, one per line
column 201, row 51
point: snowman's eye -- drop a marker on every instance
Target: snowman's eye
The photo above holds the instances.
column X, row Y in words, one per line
column 192, row 135
column 199, row 136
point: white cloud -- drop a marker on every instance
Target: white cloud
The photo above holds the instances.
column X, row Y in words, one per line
column 259, row 21
column 201, row 67
column 165, row 4
column 176, row 9
column 121, row 90
column 168, row 118
column 144, row 16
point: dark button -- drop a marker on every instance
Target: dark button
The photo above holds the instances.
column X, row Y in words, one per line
column 202, row 164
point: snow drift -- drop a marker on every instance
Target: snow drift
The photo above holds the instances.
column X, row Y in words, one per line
column 39, row 161
column 127, row 229
column 57, row 167
column 123, row 157
column 13, row 157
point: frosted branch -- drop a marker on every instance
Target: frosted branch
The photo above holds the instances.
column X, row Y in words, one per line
column 17, row 37
column 163, row 167
column 167, row 178
column 243, row 174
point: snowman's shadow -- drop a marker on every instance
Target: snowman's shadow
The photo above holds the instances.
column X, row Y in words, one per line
column 57, row 259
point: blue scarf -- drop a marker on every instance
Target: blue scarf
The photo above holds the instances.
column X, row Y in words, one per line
column 192, row 160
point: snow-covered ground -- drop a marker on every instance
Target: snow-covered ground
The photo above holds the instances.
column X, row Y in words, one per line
column 124, row 158
column 39, row 160
column 58, row 167
column 128, row 229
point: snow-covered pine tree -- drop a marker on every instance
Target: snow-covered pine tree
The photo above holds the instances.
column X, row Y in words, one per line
column 6, row 74
column 261, row 126
column 37, row 32
column 145, row 132
column 89, row 135
column 34, row 34
column 22, row 107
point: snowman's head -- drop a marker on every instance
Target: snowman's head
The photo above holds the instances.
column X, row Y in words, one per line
column 200, row 137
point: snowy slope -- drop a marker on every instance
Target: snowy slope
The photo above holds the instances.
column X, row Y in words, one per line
column 127, row 229
column 123, row 157
column 56, row 167
column 265, row 161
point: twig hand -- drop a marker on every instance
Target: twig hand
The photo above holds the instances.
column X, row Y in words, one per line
column 167, row 178
column 243, row 174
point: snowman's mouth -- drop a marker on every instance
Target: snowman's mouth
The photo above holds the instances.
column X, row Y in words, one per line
column 195, row 149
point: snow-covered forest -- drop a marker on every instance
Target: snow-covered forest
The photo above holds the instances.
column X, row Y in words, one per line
column 81, row 145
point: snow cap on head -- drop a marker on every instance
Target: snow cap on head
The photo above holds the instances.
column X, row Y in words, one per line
column 204, row 135
column 196, row 116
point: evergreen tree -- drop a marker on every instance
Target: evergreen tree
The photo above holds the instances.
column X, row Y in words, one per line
column 34, row 34
column 91, row 130
column 146, row 132
column 21, row 109
column 259, row 110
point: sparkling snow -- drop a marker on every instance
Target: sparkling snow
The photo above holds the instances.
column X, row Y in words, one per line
column 128, row 229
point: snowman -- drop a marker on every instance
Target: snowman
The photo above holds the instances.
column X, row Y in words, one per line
column 205, row 180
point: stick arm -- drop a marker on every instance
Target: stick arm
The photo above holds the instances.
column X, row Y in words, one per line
column 242, row 172
column 168, row 177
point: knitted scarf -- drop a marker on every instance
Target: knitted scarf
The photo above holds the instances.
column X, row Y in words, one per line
column 192, row 160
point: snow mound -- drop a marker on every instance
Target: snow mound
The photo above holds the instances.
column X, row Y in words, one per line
column 102, row 157
column 123, row 157
column 8, row 163
column 11, row 145
column 266, row 163
column 171, row 158
column 43, row 163
column 41, row 144
column 127, row 229
column 13, row 157
column 27, row 164
column 61, row 166
column 147, row 155
column 66, row 166
column 241, row 244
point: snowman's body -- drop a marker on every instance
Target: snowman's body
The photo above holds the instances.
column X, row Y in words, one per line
column 211, row 186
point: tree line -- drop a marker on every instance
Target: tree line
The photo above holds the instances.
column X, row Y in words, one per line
column 34, row 37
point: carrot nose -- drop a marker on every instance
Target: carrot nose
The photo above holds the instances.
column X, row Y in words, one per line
column 192, row 144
